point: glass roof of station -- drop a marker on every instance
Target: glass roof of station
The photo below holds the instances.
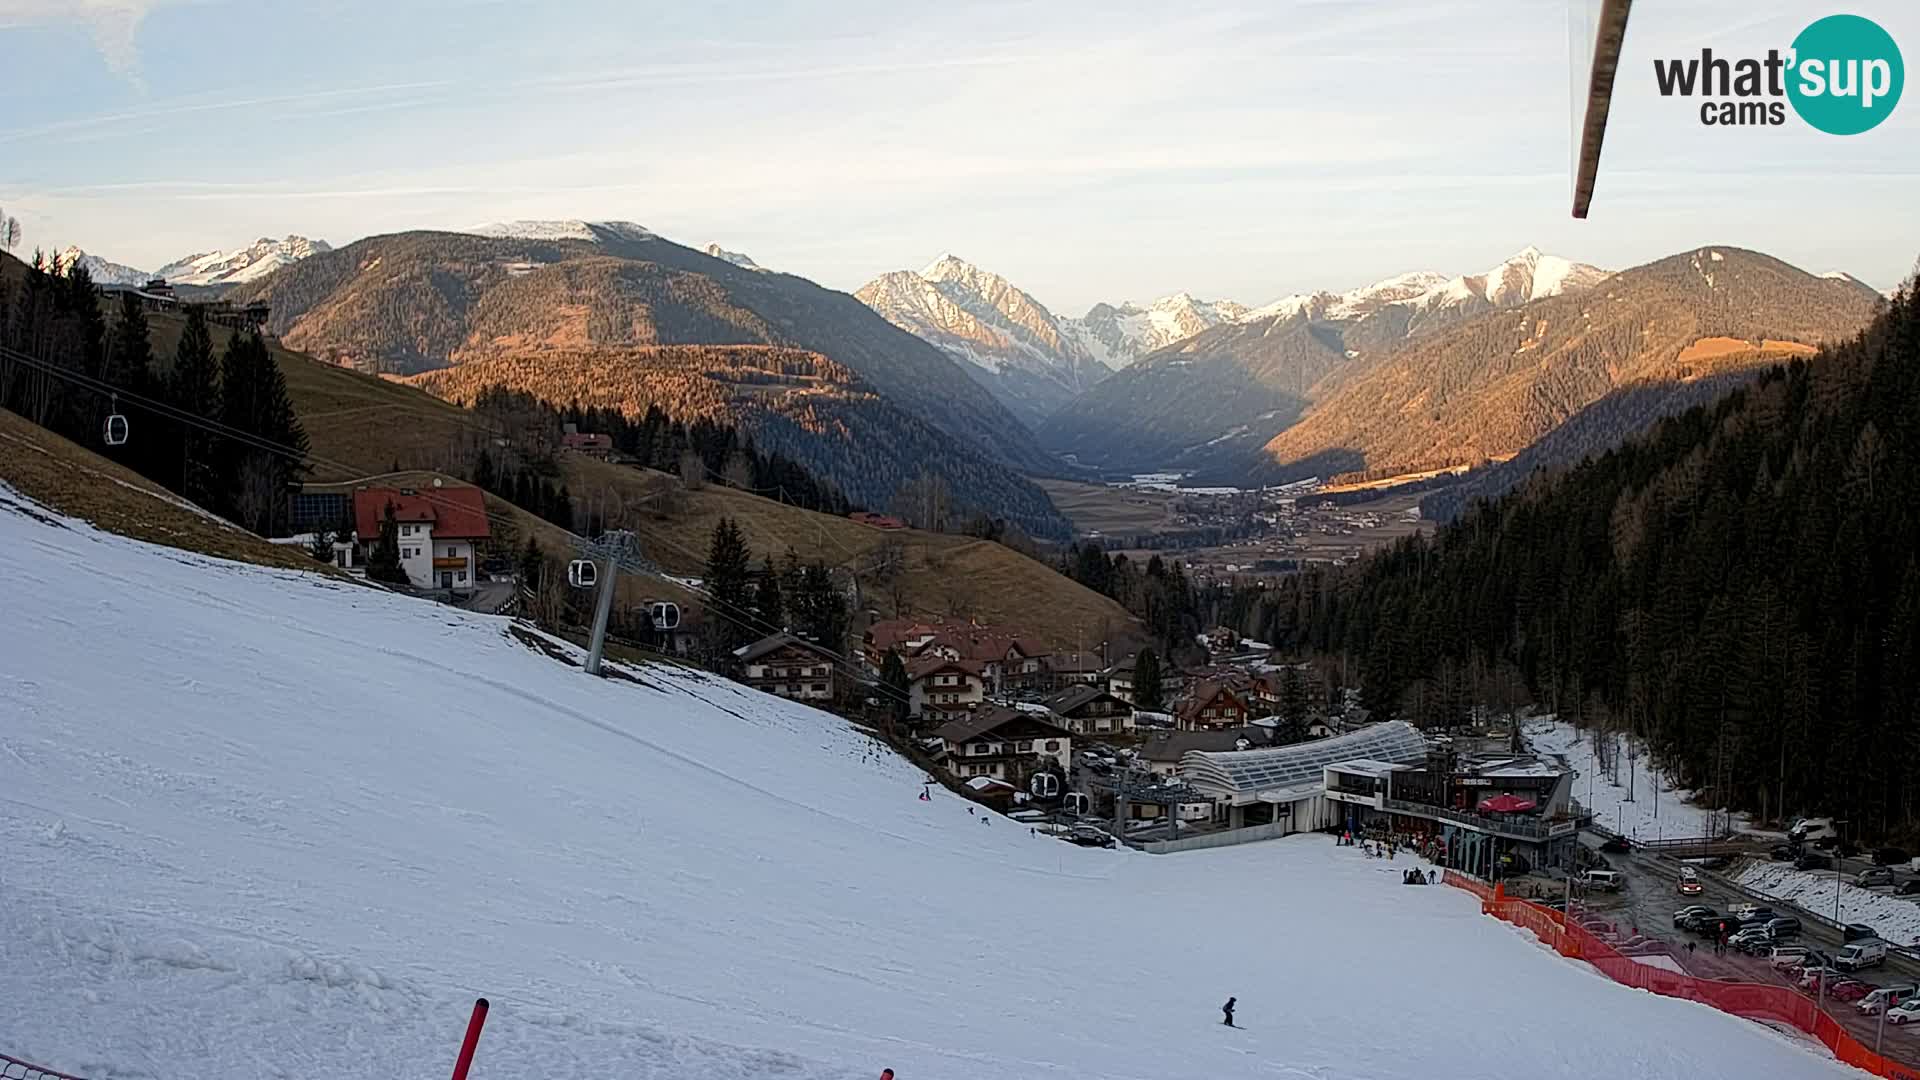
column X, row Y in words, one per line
column 1248, row 771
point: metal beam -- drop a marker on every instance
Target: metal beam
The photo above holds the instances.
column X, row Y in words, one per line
column 1609, row 34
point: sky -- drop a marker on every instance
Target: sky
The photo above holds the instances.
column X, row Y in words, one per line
column 1086, row 151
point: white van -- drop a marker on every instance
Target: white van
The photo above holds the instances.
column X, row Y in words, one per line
column 1884, row 998
column 1604, row 880
column 1871, row 952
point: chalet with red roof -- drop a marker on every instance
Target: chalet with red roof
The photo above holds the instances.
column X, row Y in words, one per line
column 437, row 529
column 1212, row 705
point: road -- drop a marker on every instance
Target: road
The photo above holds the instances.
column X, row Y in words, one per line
column 1650, row 899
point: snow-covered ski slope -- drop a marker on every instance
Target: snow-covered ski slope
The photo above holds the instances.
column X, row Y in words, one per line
column 259, row 824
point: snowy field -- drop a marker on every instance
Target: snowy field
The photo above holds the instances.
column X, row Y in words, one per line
column 1896, row 918
column 259, row 824
column 1646, row 817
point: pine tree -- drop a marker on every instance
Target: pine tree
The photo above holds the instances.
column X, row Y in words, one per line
column 821, row 609
column 194, row 388
column 254, row 399
column 769, row 604
column 531, row 563
column 1293, row 707
column 383, row 563
column 726, row 583
column 130, row 355
column 1147, row 692
column 893, row 676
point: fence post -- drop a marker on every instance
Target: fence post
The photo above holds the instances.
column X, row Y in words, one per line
column 465, row 1059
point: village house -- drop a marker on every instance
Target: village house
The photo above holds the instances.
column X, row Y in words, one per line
column 437, row 530
column 1212, row 704
column 1163, row 750
column 593, row 445
column 1120, row 680
column 937, row 685
column 877, row 521
column 789, row 667
column 1077, row 669
column 1003, row 744
column 1003, row 661
column 1089, row 710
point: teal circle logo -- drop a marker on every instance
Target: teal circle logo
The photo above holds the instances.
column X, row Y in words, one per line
column 1846, row 75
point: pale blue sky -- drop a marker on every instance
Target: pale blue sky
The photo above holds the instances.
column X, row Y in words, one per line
column 1088, row 151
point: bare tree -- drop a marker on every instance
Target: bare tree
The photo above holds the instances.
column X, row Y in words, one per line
column 9, row 232
column 693, row 471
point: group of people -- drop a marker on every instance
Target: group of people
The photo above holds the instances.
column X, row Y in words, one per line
column 1413, row 876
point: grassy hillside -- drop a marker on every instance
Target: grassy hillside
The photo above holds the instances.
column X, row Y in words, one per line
column 80, row 483
column 362, row 425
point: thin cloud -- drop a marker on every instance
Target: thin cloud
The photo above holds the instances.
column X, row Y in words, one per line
column 112, row 23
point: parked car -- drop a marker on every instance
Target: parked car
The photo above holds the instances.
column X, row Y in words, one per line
column 1616, row 845
column 1090, row 836
column 1909, row 887
column 1748, row 910
column 1784, row 926
column 1873, row 877
column 1905, row 1011
column 1680, row 917
column 1813, row 861
column 1858, row 955
column 1884, row 998
column 1848, row 990
column 1891, row 856
column 1784, row 852
column 1786, row 956
column 1854, row 931
column 1753, row 941
column 1810, row 978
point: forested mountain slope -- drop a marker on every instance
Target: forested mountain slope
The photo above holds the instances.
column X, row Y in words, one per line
column 419, row 301
column 794, row 402
column 1495, row 384
column 1742, row 587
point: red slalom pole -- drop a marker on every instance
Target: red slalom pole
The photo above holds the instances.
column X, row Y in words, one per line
column 465, row 1060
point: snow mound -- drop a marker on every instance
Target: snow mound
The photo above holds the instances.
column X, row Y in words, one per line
column 259, row 822
column 1895, row 918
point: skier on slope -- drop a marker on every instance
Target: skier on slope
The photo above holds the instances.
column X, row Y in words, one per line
column 1228, row 1010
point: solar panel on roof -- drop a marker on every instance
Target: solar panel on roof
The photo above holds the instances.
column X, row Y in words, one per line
column 1252, row 770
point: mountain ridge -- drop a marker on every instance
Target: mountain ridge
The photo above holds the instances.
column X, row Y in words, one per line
column 1205, row 403
column 411, row 302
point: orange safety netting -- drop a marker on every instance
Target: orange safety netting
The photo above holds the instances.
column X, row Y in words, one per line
column 1755, row 1001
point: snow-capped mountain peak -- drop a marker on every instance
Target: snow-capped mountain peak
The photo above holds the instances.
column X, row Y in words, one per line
column 737, row 258
column 1117, row 335
column 1024, row 353
column 100, row 270
column 562, row 229
column 249, row 263
column 1528, row 274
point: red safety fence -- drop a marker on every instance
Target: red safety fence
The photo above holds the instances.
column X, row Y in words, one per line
column 1754, row 1001
column 15, row 1069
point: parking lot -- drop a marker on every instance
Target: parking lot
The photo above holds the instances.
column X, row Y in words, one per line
column 1651, row 896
